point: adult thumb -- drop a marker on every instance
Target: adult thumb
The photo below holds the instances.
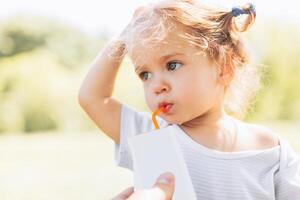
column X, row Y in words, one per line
column 166, row 182
column 163, row 189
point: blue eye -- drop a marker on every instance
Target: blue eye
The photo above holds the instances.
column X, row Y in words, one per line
column 170, row 65
column 173, row 64
column 142, row 75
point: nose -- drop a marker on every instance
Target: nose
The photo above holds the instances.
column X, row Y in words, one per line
column 160, row 88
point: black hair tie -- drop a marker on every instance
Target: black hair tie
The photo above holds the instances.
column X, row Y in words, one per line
column 236, row 11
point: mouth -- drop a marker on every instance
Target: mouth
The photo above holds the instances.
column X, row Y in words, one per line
column 165, row 106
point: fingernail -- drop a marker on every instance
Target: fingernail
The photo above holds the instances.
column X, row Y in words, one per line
column 166, row 178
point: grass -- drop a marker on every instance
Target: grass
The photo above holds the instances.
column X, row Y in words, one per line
column 75, row 166
column 59, row 166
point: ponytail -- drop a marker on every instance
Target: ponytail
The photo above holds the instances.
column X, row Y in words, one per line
column 247, row 9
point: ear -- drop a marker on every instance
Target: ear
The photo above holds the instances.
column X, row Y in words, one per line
column 226, row 72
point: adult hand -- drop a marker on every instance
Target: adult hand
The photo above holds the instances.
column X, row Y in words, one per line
column 163, row 189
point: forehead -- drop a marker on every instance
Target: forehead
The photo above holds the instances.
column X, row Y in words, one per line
column 173, row 43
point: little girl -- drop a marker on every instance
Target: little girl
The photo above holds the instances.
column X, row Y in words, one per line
column 189, row 56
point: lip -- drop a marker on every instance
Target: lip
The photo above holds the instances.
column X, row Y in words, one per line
column 166, row 106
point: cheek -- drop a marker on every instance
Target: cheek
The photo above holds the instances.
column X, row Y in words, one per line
column 149, row 99
column 196, row 87
column 191, row 82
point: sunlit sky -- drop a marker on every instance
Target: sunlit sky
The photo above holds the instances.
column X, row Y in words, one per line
column 95, row 16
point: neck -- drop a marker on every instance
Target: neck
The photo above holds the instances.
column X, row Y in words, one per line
column 213, row 129
column 212, row 122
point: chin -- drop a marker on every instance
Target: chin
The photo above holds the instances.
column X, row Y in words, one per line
column 172, row 121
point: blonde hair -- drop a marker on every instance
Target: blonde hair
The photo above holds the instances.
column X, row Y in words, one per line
column 214, row 30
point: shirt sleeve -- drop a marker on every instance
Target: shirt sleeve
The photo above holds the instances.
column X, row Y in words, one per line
column 287, row 181
column 132, row 122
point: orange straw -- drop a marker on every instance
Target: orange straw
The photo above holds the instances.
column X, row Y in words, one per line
column 154, row 117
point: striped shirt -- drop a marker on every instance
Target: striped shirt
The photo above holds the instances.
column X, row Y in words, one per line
column 266, row 174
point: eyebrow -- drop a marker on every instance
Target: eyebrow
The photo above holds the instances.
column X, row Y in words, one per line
column 161, row 59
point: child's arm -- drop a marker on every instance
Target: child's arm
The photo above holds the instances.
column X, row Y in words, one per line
column 95, row 95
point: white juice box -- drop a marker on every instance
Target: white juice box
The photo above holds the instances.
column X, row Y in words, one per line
column 157, row 152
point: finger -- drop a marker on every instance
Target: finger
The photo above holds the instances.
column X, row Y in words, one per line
column 162, row 190
column 166, row 182
column 138, row 10
column 125, row 194
column 154, row 193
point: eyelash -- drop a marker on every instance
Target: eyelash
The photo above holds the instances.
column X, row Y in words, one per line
column 168, row 65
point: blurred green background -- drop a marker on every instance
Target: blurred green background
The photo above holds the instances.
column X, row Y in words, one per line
column 50, row 149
